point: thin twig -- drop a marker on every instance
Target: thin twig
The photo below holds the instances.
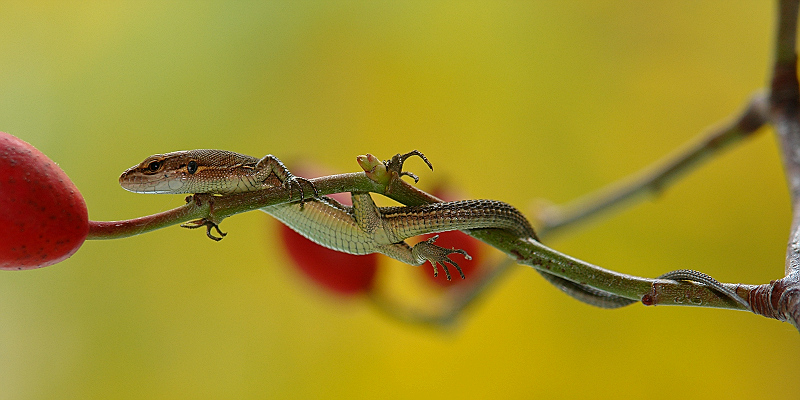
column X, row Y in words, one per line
column 659, row 176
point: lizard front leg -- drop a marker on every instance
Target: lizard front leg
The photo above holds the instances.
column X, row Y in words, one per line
column 267, row 172
column 269, row 165
column 253, row 175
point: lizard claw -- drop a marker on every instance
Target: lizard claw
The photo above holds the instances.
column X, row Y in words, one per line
column 414, row 177
column 295, row 182
column 396, row 163
column 427, row 251
column 401, row 158
column 208, row 224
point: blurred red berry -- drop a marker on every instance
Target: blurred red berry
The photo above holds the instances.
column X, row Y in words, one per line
column 341, row 273
column 43, row 217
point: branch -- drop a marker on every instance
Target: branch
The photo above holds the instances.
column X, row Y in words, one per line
column 545, row 259
column 780, row 299
column 662, row 174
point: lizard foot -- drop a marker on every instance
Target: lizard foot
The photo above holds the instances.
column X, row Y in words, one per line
column 208, row 224
column 427, row 251
column 396, row 164
column 295, row 182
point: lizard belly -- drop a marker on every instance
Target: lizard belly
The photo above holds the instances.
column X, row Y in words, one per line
column 325, row 225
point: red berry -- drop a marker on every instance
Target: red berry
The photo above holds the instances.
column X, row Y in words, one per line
column 43, row 217
column 342, row 273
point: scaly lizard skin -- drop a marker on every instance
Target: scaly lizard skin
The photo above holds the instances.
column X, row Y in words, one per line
column 361, row 229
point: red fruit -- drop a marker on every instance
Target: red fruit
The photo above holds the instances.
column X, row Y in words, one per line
column 43, row 218
column 339, row 272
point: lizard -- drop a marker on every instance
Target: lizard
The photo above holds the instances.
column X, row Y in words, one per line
column 362, row 228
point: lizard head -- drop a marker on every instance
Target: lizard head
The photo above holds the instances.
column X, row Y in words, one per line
column 160, row 173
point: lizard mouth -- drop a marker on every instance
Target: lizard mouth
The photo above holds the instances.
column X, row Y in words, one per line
column 133, row 180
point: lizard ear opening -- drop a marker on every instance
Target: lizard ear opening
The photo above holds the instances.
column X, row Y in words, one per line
column 191, row 167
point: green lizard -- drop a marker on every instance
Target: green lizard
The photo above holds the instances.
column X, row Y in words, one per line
column 362, row 228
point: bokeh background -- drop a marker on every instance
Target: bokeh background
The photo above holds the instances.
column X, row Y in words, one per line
column 510, row 100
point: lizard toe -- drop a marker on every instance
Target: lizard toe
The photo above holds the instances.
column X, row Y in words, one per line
column 208, row 224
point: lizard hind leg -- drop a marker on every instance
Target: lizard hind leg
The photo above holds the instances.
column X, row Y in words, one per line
column 427, row 251
column 423, row 252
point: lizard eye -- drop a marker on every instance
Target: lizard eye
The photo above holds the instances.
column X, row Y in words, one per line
column 192, row 167
column 154, row 166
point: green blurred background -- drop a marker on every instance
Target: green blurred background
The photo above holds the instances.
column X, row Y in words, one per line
column 510, row 100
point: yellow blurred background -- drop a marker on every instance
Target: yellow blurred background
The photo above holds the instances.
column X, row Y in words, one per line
column 510, row 100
